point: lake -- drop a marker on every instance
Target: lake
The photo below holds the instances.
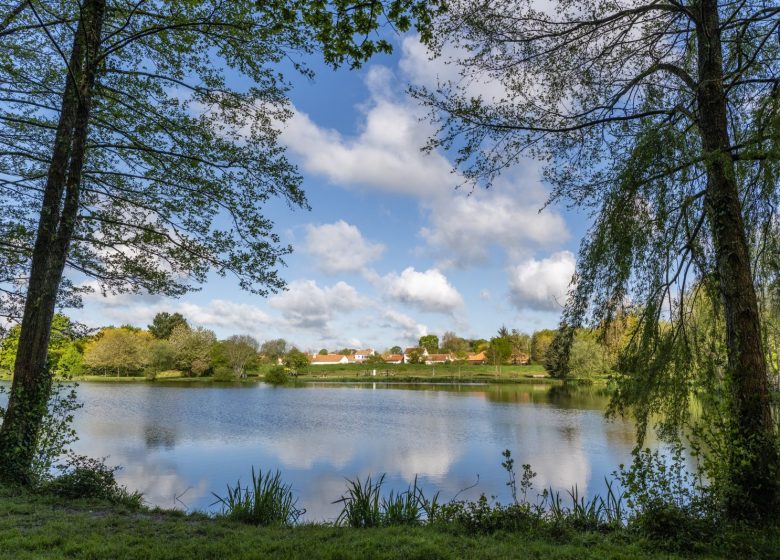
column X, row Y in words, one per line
column 179, row 443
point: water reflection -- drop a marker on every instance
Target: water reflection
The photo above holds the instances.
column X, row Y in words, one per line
column 178, row 444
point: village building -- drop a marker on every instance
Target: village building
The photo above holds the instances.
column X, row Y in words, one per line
column 476, row 359
column 330, row 359
column 393, row 358
column 361, row 356
column 432, row 359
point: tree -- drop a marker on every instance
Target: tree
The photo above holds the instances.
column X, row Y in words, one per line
column 664, row 117
column 296, row 360
column 240, row 351
column 118, row 351
column 323, row 352
column 375, row 360
column 540, row 343
column 273, row 350
column 192, row 349
column 430, row 342
column 499, row 351
column 415, row 356
column 396, row 350
column 163, row 324
column 64, row 334
column 160, row 356
column 453, row 343
column 118, row 168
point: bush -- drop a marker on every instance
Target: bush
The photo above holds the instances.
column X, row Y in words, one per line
column 223, row 373
column 84, row 477
column 277, row 375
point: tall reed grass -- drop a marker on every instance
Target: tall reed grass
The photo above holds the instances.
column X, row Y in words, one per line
column 266, row 501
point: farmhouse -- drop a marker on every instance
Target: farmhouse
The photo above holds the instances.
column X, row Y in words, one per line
column 394, row 358
column 361, row 356
column 438, row 359
column 476, row 359
column 329, row 359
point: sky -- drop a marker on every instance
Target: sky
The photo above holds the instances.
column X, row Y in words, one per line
column 391, row 250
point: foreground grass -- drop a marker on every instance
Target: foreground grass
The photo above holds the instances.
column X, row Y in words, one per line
column 33, row 526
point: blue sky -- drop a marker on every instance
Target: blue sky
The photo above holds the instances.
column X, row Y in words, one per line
column 390, row 249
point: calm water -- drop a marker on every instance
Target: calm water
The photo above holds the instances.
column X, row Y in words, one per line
column 190, row 441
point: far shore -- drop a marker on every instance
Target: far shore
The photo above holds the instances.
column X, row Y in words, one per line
column 388, row 374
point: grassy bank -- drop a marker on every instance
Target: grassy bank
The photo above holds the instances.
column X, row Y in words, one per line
column 415, row 373
column 33, row 526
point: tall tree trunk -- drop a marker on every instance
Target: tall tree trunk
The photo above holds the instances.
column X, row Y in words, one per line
column 753, row 464
column 32, row 381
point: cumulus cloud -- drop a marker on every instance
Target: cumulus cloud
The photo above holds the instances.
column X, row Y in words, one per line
column 422, row 70
column 466, row 228
column 542, row 284
column 340, row 247
column 384, row 155
column 307, row 305
column 241, row 317
column 427, row 291
column 410, row 329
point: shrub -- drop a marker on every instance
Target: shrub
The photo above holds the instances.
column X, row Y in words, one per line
column 267, row 501
column 277, row 375
column 84, row 477
column 223, row 373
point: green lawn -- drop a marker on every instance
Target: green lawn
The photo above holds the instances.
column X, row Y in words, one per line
column 35, row 527
column 407, row 373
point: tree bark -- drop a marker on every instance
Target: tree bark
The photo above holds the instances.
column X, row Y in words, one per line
column 31, row 385
column 753, row 464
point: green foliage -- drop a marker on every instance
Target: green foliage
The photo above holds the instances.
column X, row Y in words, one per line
column 56, row 433
column 277, row 375
column 451, row 342
column 163, row 324
column 267, row 501
column 499, row 351
column 273, row 350
column 415, row 356
column 192, row 349
column 396, row 350
column 374, row 360
column 296, row 360
column 430, row 342
column 117, row 351
column 361, row 503
column 71, row 361
column 223, row 374
column 87, row 478
column 540, row 342
column 65, row 338
column 363, row 506
column 670, row 505
column 240, row 352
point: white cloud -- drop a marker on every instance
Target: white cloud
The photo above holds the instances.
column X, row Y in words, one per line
column 340, row 247
column 422, row 70
column 385, row 154
column 410, row 329
column 241, row 317
column 306, row 305
column 427, row 291
column 542, row 285
column 466, row 227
